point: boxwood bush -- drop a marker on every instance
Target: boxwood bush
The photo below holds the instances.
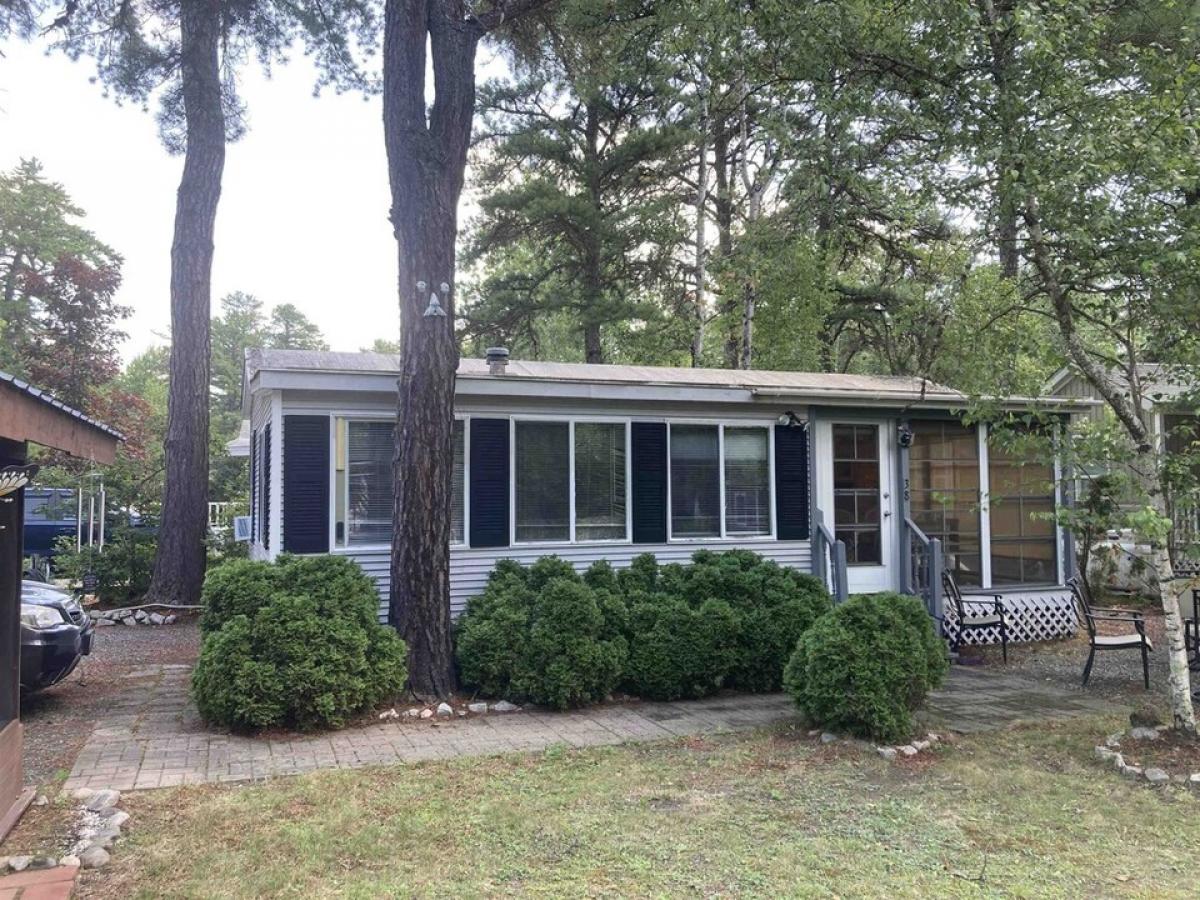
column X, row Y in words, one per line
column 295, row 643
column 543, row 634
column 867, row 665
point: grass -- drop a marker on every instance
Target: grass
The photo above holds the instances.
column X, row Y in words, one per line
column 1019, row 813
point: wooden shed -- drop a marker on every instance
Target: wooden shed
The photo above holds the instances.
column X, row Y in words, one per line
column 28, row 415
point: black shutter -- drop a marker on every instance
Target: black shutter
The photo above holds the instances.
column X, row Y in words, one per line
column 791, row 483
column 253, row 484
column 306, row 484
column 266, row 488
column 489, row 482
column 649, row 463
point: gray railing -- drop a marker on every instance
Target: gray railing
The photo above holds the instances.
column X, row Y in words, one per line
column 829, row 560
column 923, row 568
column 1185, row 535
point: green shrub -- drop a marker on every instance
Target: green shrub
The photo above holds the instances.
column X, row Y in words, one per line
column 542, row 635
column 295, row 643
column 867, row 665
column 122, row 568
column 678, row 651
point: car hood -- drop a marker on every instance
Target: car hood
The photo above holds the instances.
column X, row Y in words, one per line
column 40, row 594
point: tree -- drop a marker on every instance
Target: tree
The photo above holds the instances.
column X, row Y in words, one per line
column 186, row 53
column 290, row 329
column 427, row 155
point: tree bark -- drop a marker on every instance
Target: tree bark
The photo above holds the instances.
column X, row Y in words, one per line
column 593, row 350
column 723, row 219
column 426, row 161
column 180, row 560
column 701, row 217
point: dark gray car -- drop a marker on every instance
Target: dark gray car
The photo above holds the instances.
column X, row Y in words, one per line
column 55, row 634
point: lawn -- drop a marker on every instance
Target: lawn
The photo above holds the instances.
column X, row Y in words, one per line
column 1024, row 812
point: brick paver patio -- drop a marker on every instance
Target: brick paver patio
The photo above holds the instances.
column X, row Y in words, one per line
column 154, row 736
column 39, row 884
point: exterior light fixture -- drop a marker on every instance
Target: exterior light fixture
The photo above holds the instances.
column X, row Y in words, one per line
column 790, row 420
column 904, row 435
column 13, row 478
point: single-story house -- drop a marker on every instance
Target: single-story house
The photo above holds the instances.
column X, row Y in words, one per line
column 867, row 481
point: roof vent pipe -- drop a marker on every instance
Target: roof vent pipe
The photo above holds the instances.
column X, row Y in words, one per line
column 497, row 360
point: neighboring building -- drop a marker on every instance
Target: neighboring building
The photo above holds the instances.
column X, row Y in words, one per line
column 606, row 462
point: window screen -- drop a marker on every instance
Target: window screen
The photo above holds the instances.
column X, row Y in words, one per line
column 1020, row 504
column 695, row 481
column 747, row 488
column 600, row 498
column 944, row 488
column 457, row 496
column 369, row 481
column 543, row 477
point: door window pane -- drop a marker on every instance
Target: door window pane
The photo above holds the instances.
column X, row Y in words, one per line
column 747, row 488
column 369, row 478
column 1021, row 505
column 543, row 481
column 600, row 481
column 856, row 492
column 695, row 481
column 943, row 477
column 458, row 479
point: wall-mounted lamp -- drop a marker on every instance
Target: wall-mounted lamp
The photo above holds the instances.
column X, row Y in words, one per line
column 904, row 435
column 790, row 420
column 13, row 478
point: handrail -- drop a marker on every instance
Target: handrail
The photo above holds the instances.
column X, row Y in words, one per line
column 832, row 572
column 923, row 568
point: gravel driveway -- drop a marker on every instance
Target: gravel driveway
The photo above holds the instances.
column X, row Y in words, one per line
column 58, row 721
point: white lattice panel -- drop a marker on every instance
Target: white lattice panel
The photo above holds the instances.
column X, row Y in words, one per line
column 1030, row 617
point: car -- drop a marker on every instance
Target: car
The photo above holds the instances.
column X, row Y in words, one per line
column 56, row 634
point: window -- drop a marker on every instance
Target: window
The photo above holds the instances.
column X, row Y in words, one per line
column 363, row 482
column 695, row 481
column 543, row 479
column 600, row 493
column 546, row 455
column 856, row 512
column 747, row 487
column 1024, row 545
column 720, row 470
column 944, row 493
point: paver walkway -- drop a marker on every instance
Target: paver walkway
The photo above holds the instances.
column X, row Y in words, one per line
column 39, row 884
column 154, row 737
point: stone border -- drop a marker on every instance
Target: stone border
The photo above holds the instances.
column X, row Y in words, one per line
column 1110, row 752
column 99, row 826
column 446, row 711
column 130, row 617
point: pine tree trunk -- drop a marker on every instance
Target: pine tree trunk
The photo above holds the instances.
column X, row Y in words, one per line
column 180, row 560
column 426, row 161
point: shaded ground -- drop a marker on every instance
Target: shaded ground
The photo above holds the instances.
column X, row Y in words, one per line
column 770, row 813
column 59, row 721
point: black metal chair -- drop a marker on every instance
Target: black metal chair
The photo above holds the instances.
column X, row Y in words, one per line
column 976, row 614
column 1191, row 633
column 1126, row 640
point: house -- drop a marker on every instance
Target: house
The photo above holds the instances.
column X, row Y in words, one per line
column 1171, row 411
column 27, row 415
column 871, row 482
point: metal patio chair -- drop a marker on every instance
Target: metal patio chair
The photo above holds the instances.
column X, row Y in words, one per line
column 1191, row 633
column 976, row 614
column 1126, row 640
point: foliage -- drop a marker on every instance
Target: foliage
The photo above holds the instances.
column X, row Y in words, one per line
column 295, row 643
column 122, row 569
column 542, row 634
column 677, row 651
column 867, row 665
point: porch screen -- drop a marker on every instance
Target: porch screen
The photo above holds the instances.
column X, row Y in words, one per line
column 695, row 481
column 747, row 487
column 600, row 490
column 944, row 493
column 543, row 481
column 1020, row 504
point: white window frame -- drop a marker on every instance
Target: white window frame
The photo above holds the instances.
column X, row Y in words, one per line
column 347, row 417
column 722, row 424
column 570, row 421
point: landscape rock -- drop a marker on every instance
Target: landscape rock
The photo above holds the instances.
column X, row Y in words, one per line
column 42, row 800
column 933, row 738
column 427, row 713
column 1118, row 761
column 412, row 713
column 1144, row 734
column 389, row 714
column 94, row 857
column 1132, row 771
column 888, row 753
column 922, row 745
column 19, row 863
column 43, row 862
column 477, row 708
column 908, row 750
column 828, row 737
column 133, row 622
column 170, row 619
column 83, row 795
column 505, row 706
column 157, row 619
column 102, row 800
column 1114, row 740
column 70, row 860
column 1145, row 717
column 1104, row 754
column 1157, row 776
column 444, row 709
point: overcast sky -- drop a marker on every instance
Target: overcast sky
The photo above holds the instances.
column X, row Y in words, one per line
column 303, row 213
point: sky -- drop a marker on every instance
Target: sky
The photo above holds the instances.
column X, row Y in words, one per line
column 303, row 211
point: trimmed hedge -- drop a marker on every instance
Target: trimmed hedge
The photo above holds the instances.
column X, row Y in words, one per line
column 867, row 665
column 727, row 620
column 295, row 643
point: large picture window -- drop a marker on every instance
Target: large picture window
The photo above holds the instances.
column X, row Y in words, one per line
column 720, row 471
column 571, row 481
column 944, row 492
column 1024, row 545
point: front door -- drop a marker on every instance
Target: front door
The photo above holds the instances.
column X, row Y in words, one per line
column 855, row 466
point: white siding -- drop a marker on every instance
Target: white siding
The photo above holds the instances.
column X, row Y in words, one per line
column 469, row 569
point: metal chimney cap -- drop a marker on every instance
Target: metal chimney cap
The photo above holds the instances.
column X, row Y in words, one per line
column 497, row 354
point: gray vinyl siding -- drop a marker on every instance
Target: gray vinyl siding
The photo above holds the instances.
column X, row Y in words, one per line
column 469, row 569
